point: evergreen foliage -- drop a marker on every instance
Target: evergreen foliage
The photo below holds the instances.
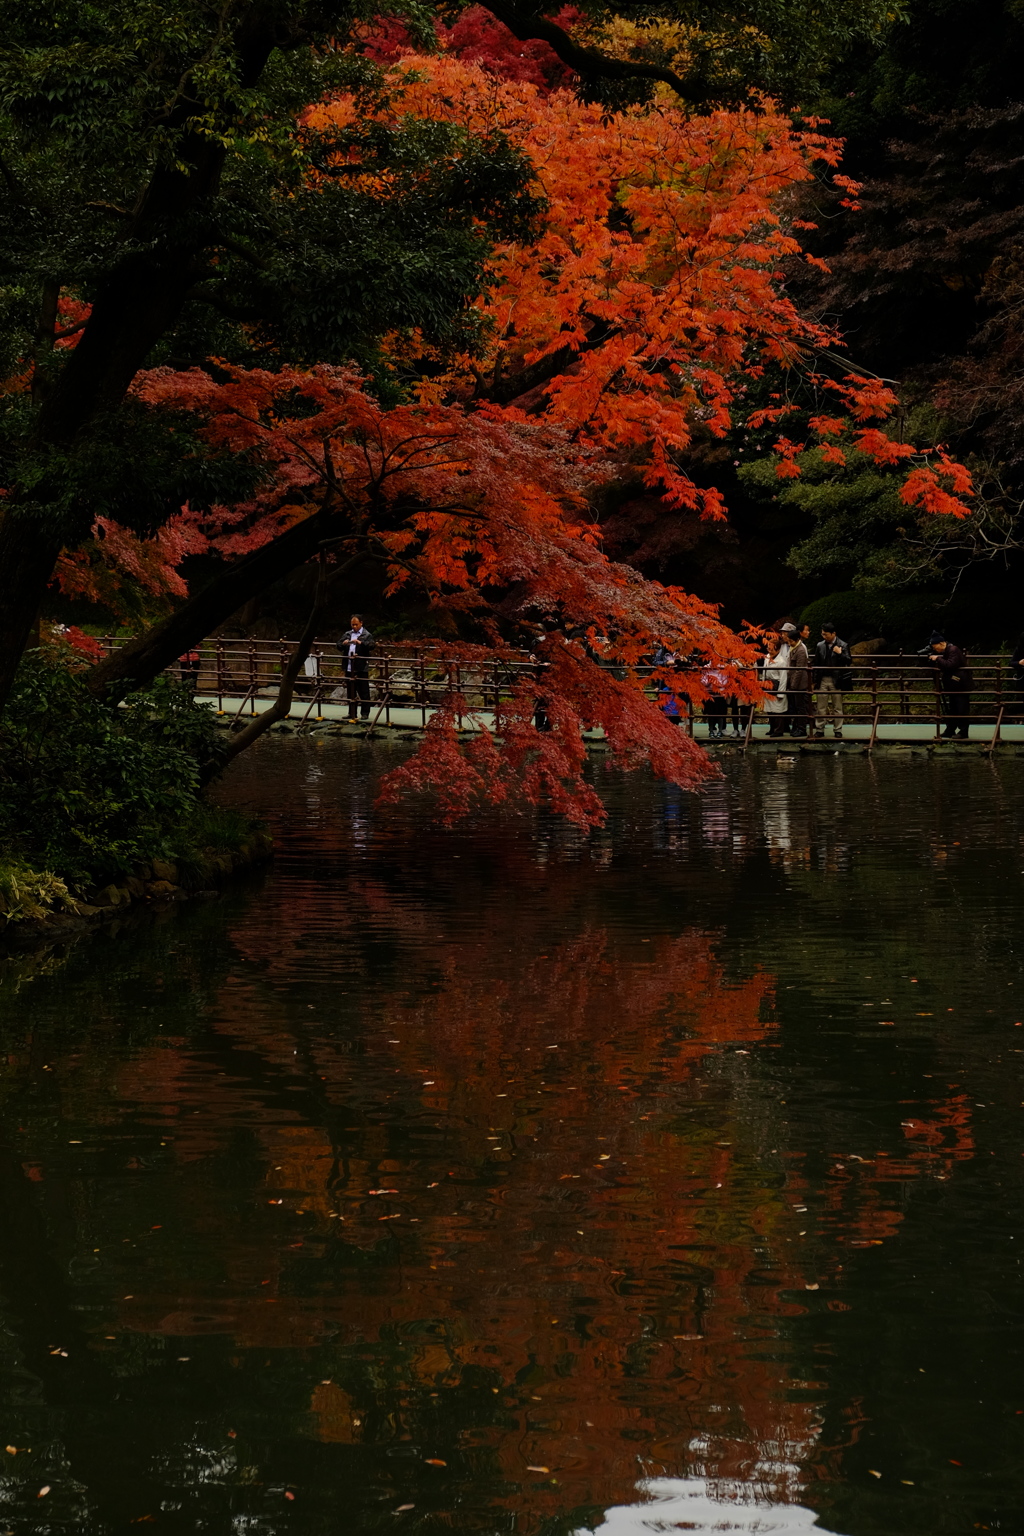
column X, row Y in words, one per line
column 89, row 789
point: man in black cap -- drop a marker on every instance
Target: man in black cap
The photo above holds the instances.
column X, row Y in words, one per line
column 832, row 677
column 956, row 681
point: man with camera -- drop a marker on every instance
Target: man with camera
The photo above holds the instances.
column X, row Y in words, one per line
column 356, row 647
column 833, row 675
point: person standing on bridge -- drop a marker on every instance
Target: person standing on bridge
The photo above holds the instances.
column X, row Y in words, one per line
column 774, row 674
column 798, row 681
column 1017, row 670
column 956, row 681
column 833, row 675
column 356, row 647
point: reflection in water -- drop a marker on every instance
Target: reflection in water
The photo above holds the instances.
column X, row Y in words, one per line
column 686, row 1504
column 495, row 1180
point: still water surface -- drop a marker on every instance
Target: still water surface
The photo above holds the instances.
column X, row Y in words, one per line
column 500, row 1181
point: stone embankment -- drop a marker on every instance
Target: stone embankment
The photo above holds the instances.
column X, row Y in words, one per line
column 148, row 885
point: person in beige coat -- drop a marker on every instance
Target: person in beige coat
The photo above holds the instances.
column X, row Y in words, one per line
column 798, row 682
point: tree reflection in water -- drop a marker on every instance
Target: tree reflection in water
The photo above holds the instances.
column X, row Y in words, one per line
column 462, row 1173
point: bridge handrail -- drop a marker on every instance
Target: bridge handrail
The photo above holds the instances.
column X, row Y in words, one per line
column 886, row 686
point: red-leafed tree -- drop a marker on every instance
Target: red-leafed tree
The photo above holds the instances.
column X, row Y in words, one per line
column 478, row 37
column 489, row 517
column 636, row 322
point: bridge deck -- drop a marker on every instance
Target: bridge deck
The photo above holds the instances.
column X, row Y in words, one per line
column 895, row 699
column 310, row 714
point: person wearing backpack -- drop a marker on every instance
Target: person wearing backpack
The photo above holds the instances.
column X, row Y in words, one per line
column 833, row 676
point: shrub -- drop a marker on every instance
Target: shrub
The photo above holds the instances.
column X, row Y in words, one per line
column 26, row 892
column 88, row 789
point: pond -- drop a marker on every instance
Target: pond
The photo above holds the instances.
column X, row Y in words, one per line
column 500, row 1180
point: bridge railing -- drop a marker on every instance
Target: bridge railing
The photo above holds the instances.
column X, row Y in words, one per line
column 905, row 689
column 887, row 689
column 400, row 678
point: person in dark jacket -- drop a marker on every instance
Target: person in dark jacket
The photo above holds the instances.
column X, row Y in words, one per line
column 956, row 682
column 798, row 683
column 356, row 647
column 832, row 673
column 1017, row 669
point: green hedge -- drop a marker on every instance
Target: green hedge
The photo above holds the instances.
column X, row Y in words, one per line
column 89, row 789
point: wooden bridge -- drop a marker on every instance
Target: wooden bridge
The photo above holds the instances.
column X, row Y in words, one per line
column 895, row 698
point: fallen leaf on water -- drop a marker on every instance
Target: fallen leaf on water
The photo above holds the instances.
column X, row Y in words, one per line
column 873, row 1472
column 538, row 1469
column 435, row 1461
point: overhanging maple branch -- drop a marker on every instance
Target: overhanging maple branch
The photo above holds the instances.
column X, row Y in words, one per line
column 525, row 24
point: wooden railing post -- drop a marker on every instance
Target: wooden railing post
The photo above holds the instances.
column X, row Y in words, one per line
column 998, row 727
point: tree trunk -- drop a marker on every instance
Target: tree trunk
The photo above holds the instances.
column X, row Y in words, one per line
column 27, row 557
column 137, row 302
column 138, row 662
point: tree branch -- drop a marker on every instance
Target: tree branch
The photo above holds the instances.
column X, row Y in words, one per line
column 138, row 662
column 261, row 723
column 526, row 24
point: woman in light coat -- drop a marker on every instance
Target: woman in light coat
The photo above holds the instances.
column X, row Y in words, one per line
column 774, row 675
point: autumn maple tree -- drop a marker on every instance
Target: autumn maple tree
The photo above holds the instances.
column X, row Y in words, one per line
column 624, row 269
column 636, row 318
column 155, row 166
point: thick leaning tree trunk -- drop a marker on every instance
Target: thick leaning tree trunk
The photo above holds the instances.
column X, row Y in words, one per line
column 137, row 663
column 136, row 304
